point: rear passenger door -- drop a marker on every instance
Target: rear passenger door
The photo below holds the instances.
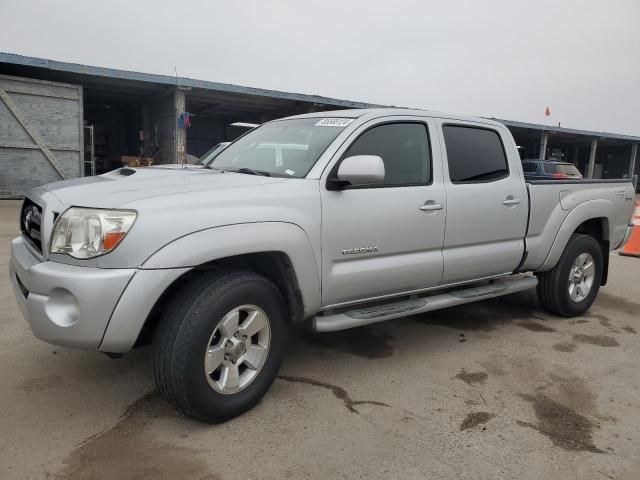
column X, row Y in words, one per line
column 486, row 202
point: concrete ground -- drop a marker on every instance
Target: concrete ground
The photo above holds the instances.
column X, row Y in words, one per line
column 497, row 389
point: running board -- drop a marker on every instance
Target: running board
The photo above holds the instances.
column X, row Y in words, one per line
column 367, row 315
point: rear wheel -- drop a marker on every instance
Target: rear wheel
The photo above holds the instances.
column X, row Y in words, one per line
column 571, row 286
column 219, row 345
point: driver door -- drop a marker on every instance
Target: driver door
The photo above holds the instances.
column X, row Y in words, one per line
column 382, row 240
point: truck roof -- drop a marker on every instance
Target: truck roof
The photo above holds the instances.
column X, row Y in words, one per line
column 387, row 112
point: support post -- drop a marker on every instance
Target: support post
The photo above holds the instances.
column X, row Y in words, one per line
column 543, row 145
column 179, row 151
column 592, row 158
column 632, row 161
column 146, row 127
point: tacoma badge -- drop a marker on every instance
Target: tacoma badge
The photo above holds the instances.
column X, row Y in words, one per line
column 352, row 251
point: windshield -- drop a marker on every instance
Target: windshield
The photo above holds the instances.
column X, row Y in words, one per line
column 565, row 168
column 211, row 154
column 287, row 148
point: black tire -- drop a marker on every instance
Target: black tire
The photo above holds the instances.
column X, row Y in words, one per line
column 183, row 334
column 553, row 291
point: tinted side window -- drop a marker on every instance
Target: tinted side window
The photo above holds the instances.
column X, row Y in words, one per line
column 474, row 154
column 404, row 148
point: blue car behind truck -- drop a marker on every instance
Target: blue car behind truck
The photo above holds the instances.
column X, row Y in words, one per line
column 549, row 170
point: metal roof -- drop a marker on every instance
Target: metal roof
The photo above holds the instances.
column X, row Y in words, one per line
column 168, row 80
column 572, row 131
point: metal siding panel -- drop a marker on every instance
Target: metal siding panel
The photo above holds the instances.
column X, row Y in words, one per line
column 53, row 112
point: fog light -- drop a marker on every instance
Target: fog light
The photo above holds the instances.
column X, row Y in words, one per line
column 62, row 308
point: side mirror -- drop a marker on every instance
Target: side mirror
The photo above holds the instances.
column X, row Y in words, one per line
column 360, row 170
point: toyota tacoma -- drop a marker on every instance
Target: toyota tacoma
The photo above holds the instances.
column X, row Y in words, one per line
column 334, row 220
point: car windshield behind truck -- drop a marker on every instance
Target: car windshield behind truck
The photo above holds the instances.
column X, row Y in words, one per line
column 567, row 169
column 287, row 148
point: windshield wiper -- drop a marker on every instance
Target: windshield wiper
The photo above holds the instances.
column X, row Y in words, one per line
column 249, row 171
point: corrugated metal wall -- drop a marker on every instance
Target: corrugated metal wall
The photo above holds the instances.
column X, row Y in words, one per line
column 41, row 136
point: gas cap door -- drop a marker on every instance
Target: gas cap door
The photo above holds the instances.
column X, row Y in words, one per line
column 567, row 200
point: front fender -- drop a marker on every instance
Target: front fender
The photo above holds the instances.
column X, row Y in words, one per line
column 215, row 243
column 591, row 209
column 173, row 260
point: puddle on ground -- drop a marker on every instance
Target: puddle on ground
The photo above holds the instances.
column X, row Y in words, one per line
column 535, row 326
column 471, row 377
column 40, row 384
column 474, row 419
column 129, row 451
column 600, row 340
column 338, row 392
column 604, row 321
column 580, row 320
column 564, row 427
column 609, row 301
column 565, row 346
column 563, row 403
column 363, row 341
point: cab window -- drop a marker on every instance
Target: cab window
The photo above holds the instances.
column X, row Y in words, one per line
column 474, row 154
column 404, row 149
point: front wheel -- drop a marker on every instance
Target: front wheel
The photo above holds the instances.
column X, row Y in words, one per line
column 571, row 286
column 220, row 344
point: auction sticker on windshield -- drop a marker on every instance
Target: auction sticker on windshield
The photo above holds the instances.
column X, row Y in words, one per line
column 334, row 122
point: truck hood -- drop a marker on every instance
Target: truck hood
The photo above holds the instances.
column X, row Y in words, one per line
column 126, row 185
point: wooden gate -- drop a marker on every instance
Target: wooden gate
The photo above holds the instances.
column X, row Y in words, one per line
column 41, row 136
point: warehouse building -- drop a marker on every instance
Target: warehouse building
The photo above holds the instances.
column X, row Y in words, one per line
column 64, row 120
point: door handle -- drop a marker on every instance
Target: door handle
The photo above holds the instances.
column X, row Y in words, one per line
column 431, row 207
column 511, row 201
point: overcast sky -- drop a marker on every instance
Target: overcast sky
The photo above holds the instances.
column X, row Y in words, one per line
column 501, row 58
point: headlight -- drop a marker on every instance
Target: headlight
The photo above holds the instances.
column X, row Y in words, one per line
column 89, row 232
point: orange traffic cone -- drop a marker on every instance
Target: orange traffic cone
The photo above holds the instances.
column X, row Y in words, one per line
column 632, row 247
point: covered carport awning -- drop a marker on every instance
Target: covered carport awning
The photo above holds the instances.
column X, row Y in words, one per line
column 596, row 154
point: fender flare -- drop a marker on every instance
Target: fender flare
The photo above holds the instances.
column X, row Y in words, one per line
column 244, row 238
column 588, row 210
column 180, row 256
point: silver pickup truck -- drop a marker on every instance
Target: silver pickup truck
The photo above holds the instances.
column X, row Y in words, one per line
column 336, row 219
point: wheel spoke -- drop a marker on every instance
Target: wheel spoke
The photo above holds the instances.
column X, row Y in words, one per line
column 230, row 378
column 254, row 356
column 589, row 269
column 255, row 322
column 229, row 324
column 572, row 291
column 215, row 357
column 235, row 355
column 584, row 258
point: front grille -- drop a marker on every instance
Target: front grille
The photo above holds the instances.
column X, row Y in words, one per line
column 31, row 223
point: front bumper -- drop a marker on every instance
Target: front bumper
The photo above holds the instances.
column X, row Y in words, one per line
column 65, row 304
